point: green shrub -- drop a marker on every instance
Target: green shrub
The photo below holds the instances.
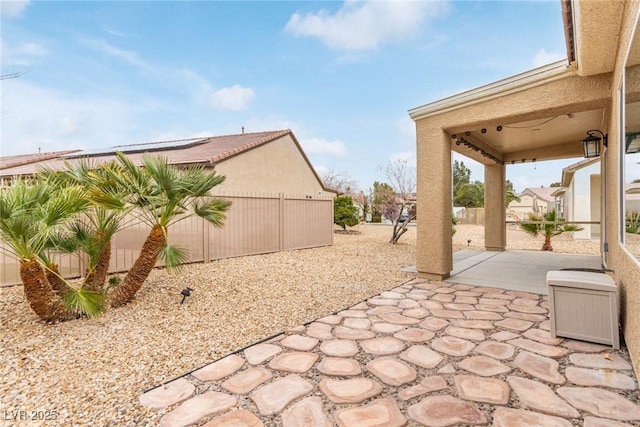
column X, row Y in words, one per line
column 345, row 213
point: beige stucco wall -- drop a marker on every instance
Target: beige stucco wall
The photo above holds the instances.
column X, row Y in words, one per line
column 434, row 258
column 625, row 266
column 495, row 214
column 275, row 167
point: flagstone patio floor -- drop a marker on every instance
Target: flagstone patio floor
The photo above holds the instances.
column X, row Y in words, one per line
column 425, row 353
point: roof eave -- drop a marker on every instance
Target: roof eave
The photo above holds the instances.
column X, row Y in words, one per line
column 513, row 84
column 569, row 36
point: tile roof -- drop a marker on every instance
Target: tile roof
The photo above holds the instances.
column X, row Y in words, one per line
column 544, row 193
column 207, row 150
column 25, row 159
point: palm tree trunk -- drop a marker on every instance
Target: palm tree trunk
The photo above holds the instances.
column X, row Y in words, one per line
column 96, row 277
column 57, row 284
column 136, row 276
column 547, row 244
column 44, row 301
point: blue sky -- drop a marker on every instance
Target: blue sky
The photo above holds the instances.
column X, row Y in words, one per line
column 341, row 75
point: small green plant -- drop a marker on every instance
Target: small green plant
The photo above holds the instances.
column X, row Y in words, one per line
column 547, row 230
column 113, row 281
column 454, row 222
column 632, row 222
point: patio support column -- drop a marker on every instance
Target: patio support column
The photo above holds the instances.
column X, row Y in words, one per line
column 495, row 227
column 434, row 258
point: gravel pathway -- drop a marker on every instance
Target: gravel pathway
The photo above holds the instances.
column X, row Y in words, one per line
column 91, row 372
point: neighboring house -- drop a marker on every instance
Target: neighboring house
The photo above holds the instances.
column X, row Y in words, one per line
column 22, row 162
column 580, row 196
column 278, row 200
column 264, row 162
column 544, row 114
column 533, row 199
column 632, row 197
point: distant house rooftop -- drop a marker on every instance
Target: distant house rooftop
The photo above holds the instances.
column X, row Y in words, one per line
column 544, row 193
column 26, row 159
column 204, row 150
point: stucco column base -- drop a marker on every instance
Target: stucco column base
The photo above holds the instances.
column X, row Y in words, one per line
column 432, row 276
column 494, row 248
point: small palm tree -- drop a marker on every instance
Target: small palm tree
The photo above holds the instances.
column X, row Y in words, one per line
column 160, row 194
column 549, row 229
column 92, row 233
column 31, row 214
column 511, row 196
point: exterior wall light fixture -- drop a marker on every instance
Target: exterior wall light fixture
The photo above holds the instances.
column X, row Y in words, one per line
column 591, row 143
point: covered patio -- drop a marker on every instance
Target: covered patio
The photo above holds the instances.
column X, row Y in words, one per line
column 543, row 114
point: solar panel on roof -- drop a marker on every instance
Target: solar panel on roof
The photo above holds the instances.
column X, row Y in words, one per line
column 138, row 148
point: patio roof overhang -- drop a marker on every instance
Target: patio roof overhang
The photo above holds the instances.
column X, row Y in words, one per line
column 542, row 114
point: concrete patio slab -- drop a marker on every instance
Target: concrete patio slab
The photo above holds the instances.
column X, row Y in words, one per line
column 514, row 270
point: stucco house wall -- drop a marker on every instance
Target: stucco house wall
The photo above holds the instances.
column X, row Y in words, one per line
column 278, row 166
column 619, row 258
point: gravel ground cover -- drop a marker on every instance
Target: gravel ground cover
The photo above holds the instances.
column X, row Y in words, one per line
column 91, row 371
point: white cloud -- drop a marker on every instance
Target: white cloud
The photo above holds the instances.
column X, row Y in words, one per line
column 542, row 57
column 311, row 144
column 322, row 146
column 60, row 121
column 115, row 32
column 126, row 55
column 13, row 8
column 360, row 25
column 233, row 98
column 23, row 54
column 73, row 125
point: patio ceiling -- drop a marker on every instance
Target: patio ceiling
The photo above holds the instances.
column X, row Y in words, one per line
column 517, row 141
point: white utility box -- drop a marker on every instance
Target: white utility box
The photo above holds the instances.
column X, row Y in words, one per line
column 583, row 305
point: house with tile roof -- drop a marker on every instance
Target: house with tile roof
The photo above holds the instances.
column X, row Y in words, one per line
column 260, row 162
column 278, row 201
column 533, row 199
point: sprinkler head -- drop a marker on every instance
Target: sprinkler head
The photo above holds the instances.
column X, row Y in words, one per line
column 185, row 293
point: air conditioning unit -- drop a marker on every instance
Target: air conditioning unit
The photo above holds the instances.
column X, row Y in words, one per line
column 583, row 305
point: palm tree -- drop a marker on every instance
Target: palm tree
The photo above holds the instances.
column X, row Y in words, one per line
column 470, row 195
column 549, row 229
column 511, row 196
column 160, row 195
column 31, row 214
column 92, row 233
